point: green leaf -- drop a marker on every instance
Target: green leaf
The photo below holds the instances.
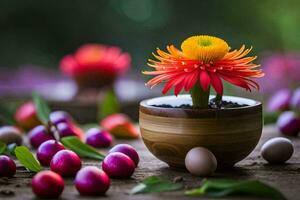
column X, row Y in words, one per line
column 2, row 147
column 154, row 184
column 42, row 108
column 83, row 150
column 109, row 105
column 27, row 159
column 222, row 188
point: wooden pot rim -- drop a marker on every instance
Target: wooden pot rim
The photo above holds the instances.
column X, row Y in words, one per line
column 146, row 107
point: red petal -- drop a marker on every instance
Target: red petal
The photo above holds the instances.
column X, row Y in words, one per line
column 172, row 83
column 190, row 80
column 167, row 87
column 204, row 80
column 216, row 83
column 237, row 81
column 178, row 88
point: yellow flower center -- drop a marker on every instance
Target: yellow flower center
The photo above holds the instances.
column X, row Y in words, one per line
column 204, row 48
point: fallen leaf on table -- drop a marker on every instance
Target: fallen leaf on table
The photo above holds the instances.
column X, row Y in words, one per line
column 154, row 184
column 222, row 188
column 84, row 150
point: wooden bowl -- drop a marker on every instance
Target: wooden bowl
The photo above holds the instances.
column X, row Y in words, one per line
column 169, row 133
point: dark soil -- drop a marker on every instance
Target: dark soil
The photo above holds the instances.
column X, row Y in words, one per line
column 211, row 105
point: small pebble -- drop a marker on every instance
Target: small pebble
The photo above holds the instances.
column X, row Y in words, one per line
column 277, row 150
column 200, row 161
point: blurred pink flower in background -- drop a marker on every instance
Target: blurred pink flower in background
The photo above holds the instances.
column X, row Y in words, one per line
column 95, row 65
column 282, row 71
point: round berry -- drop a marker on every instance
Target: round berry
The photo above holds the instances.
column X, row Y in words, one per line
column 279, row 101
column 47, row 184
column 289, row 123
column 26, row 116
column 127, row 150
column 38, row 135
column 118, row 165
column 65, row 163
column 7, row 166
column 92, row 181
column 69, row 129
column 57, row 117
column 47, row 150
column 97, row 138
column 295, row 101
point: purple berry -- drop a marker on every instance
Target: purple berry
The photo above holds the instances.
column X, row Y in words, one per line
column 97, row 138
column 47, row 150
column 127, row 150
column 7, row 167
column 289, row 123
column 279, row 101
column 295, row 101
column 92, row 181
column 118, row 165
column 65, row 163
column 38, row 135
column 57, row 117
column 47, row 184
column 69, row 129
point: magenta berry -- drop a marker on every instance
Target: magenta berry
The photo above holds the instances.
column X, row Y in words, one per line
column 47, row 184
column 118, row 165
column 65, row 163
column 38, row 135
column 295, row 101
column 279, row 101
column 47, row 150
column 7, row 166
column 69, row 129
column 97, row 138
column 92, row 181
column 127, row 150
column 289, row 123
column 57, row 117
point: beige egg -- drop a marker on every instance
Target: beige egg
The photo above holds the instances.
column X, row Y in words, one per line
column 200, row 161
column 10, row 134
column 277, row 150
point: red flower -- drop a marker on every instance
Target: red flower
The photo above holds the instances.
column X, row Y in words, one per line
column 205, row 60
column 94, row 65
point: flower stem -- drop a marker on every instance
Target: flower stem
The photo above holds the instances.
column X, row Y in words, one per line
column 199, row 96
column 219, row 100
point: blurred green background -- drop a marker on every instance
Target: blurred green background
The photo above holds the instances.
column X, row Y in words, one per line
column 35, row 35
column 41, row 32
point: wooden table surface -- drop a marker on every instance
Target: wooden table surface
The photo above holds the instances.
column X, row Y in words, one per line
column 286, row 177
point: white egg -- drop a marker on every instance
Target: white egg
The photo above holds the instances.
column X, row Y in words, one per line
column 200, row 161
column 277, row 150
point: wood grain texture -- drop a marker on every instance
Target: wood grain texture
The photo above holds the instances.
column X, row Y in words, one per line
column 230, row 136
